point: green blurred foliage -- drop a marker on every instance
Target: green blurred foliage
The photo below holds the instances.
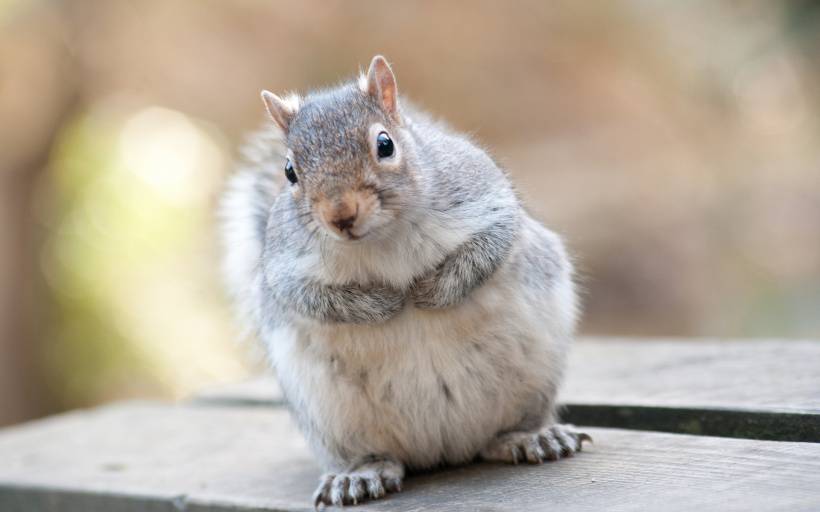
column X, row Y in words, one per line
column 116, row 249
column 86, row 352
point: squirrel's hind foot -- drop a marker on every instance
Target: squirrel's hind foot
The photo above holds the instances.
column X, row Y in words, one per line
column 548, row 444
column 371, row 479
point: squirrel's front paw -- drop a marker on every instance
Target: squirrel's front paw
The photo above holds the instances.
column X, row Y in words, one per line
column 368, row 481
column 550, row 443
column 435, row 291
column 424, row 293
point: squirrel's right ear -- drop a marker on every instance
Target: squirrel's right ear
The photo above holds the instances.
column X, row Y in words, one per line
column 381, row 85
column 281, row 110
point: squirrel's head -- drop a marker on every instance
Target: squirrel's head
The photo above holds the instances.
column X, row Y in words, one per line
column 347, row 160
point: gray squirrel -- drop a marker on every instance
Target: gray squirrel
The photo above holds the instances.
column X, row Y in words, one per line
column 415, row 314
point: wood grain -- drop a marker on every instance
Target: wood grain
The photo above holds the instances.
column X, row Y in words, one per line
column 145, row 456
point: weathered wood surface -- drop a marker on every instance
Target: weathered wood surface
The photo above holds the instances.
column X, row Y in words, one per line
column 154, row 457
column 760, row 375
column 756, row 389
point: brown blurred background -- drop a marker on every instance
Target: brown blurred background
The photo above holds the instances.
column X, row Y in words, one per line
column 676, row 145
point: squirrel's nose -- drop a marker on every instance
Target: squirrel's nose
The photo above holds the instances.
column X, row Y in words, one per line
column 344, row 223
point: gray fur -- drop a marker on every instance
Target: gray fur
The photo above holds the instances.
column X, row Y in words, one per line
column 441, row 334
column 468, row 266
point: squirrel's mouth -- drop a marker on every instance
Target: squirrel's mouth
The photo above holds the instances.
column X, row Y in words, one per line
column 350, row 236
column 356, row 233
column 347, row 235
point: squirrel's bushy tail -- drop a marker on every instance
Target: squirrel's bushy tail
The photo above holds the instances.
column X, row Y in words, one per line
column 243, row 217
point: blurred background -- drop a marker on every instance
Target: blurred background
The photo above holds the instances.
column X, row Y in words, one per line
column 676, row 145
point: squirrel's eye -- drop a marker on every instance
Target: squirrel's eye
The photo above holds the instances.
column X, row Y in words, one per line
column 384, row 145
column 290, row 174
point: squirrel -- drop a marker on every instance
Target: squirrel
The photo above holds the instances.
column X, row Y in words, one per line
column 415, row 314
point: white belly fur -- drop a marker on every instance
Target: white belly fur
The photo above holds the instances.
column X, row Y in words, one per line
column 430, row 387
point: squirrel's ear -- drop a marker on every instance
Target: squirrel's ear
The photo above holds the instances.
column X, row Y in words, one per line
column 381, row 85
column 281, row 110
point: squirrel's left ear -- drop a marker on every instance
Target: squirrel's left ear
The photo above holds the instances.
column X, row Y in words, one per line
column 381, row 85
column 281, row 110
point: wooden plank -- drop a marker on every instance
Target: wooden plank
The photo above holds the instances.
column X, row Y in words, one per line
column 754, row 389
column 155, row 457
column 760, row 375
